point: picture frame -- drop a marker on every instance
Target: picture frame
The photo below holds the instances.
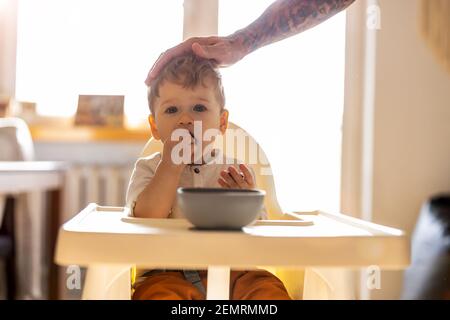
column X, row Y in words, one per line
column 100, row 110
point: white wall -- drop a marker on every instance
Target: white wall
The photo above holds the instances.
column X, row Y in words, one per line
column 411, row 125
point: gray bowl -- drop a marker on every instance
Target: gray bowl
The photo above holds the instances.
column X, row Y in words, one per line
column 217, row 208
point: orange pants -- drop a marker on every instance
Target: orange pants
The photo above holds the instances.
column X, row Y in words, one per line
column 244, row 285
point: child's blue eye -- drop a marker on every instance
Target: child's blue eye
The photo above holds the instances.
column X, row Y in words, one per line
column 171, row 110
column 199, row 108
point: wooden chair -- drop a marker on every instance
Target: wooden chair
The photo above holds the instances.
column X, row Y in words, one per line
column 16, row 145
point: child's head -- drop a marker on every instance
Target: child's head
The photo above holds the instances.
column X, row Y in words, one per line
column 188, row 89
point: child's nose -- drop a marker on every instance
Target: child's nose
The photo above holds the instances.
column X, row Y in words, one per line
column 185, row 119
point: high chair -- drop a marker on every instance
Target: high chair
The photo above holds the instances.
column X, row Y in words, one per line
column 111, row 244
column 238, row 144
column 327, row 283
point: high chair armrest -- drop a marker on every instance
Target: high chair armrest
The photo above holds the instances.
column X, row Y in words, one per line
column 109, row 242
column 105, row 235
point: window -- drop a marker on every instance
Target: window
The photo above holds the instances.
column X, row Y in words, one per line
column 71, row 47
column 289, row 96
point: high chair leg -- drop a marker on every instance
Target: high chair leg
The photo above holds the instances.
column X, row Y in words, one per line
column 218, row 287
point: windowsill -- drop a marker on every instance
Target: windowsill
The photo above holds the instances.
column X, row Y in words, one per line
column 41, row 133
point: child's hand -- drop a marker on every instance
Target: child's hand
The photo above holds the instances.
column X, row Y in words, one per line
column 167, row 156
column 232, row 179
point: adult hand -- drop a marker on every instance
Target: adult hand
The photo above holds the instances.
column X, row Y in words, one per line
column 282, row 19
column 224, row 51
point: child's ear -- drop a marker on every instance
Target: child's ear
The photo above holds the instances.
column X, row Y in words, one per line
column 223, row 121
column 153, row 128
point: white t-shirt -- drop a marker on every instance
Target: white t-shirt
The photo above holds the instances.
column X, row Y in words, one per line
column 194, row 176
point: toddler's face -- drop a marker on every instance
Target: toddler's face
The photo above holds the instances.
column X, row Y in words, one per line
column 178, row 107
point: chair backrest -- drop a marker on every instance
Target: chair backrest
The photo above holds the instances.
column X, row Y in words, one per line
column 238, row 144
column 16, row 141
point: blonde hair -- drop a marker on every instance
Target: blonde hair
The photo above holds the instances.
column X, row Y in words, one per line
column 188, row 71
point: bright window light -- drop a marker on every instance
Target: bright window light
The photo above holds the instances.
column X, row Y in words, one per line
column 289, row 96
column 72, row 47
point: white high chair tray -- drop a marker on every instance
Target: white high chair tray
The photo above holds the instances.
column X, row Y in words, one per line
column 107, row 235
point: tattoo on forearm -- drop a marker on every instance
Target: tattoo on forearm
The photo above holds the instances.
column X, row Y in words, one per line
column 285, row 18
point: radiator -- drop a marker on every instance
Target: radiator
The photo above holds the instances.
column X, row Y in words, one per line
column 103, row 184
column 86, row 183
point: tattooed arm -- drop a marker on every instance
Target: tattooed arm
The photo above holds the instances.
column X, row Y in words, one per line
column 284, row 18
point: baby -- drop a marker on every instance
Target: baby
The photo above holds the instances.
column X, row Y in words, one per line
column 187, row 110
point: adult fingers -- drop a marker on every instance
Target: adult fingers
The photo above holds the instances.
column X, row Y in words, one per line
column 178, row 50
column 224, row 51
column 173, row 52
column 216, row 52
column 162, row 60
